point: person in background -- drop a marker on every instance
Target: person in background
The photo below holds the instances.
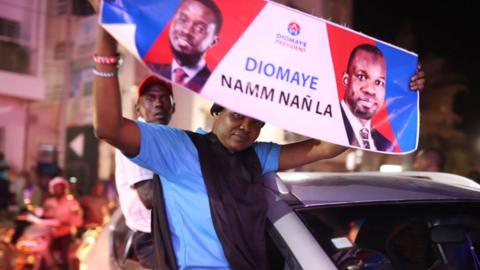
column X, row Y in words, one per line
column 134, row 184
column 64, row 214
column 95, row 206
column 30, row 200
column 4, row 186
column 409, row 246
column 429, row 160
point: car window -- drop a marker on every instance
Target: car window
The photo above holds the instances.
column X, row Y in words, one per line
column 398, row 236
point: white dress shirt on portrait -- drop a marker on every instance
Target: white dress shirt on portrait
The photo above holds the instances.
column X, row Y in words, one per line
column 357, row 126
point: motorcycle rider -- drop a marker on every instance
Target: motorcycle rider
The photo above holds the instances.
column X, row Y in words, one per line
column 64, row 210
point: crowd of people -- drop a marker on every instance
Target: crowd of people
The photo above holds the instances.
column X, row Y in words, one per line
column 65, row 215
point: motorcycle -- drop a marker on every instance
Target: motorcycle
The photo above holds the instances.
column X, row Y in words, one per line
column 32, row 247
column 33, row 244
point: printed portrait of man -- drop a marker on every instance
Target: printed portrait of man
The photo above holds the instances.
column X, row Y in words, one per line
column 364, row 82
column 194, row 29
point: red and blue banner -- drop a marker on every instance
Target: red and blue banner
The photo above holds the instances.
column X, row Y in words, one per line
column 279, row 65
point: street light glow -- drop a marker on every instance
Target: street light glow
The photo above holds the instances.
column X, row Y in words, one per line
column 390, row 168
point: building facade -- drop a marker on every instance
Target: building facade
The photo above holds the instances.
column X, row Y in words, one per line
column 22, row 47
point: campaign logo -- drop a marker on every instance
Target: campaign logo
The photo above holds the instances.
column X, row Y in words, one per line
column 291, row 41
column 294, row 29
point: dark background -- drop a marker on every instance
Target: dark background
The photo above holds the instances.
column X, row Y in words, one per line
column 445, row 29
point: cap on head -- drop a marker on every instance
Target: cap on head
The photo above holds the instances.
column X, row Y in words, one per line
column 153, row 80
column 55, row 181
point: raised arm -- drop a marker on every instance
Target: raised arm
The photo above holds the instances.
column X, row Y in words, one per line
column 108, row 122
column 301, row 153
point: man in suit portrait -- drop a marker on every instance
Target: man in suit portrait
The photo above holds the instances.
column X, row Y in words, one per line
column 195, row 28
column 364, row 83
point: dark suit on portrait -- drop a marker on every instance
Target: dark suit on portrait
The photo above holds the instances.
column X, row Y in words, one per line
column 196, row 83
column 381, row 143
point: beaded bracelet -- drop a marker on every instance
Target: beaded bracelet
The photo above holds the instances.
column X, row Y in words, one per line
column 107, row 60
column 105, row 74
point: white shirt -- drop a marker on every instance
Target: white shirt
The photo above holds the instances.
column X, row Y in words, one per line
column 357, row 126
column 190, row 71
column 127, row 173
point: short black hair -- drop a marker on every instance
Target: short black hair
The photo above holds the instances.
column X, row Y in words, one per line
column 210, row 4
column 215, row 109
column 367, row 48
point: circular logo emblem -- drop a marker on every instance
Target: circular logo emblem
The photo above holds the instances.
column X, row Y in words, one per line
column 294, row 29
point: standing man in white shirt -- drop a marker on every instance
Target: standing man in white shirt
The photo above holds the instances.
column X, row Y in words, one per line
column 134, row 184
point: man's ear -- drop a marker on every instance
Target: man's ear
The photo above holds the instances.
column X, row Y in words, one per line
column 137, row 109
column 345, row 79
column 214, row 41
column 173, row 107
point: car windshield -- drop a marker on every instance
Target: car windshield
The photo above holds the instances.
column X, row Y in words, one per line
column 398, row 236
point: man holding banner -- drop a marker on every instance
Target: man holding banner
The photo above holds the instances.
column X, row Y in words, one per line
column 213, row 188
column 171, row 153
column 195, row 28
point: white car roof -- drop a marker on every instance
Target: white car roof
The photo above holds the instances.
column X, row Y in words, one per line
column 312, row 188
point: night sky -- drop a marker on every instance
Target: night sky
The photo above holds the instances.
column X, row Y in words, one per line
column 448, row 29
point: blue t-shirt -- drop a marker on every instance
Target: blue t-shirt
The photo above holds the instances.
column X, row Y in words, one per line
column 169, row 152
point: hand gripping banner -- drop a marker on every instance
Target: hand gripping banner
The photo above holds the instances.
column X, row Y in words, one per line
column 279, row 65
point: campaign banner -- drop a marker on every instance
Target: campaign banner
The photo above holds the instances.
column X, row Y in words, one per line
column 279, row 65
